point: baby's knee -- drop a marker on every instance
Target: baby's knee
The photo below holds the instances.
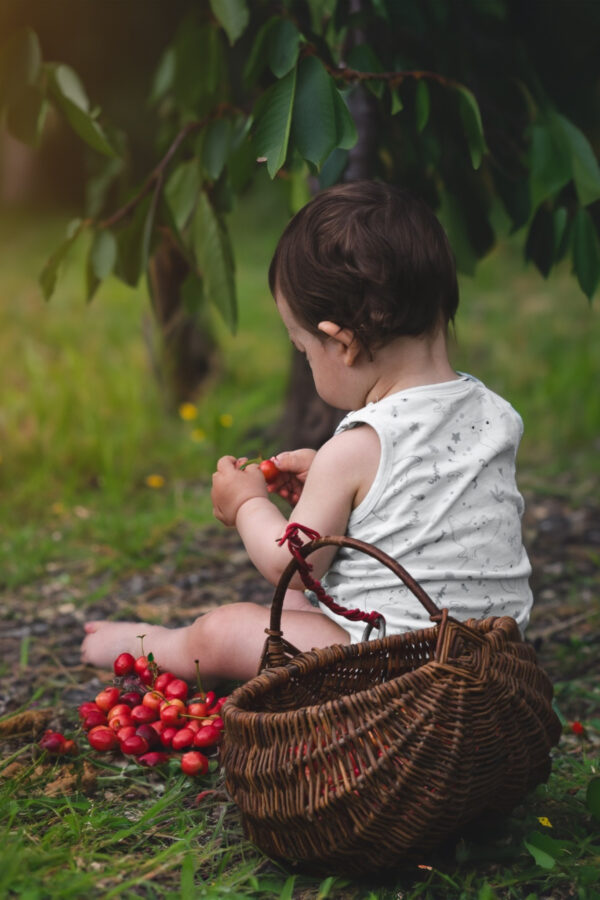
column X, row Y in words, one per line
column 211, row 635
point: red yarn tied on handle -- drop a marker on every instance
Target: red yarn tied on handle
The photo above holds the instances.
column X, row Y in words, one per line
column 294, row 542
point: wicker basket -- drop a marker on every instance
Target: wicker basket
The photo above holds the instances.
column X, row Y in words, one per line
column 350, row 758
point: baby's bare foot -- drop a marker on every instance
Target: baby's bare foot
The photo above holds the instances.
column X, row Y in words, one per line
column 105, row 640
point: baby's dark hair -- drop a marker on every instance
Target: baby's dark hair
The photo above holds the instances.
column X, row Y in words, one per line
column 370, row 257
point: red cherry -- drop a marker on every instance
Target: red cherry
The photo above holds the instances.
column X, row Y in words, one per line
column 176, row 690
column 70, row 748
column 153, row 758
column 218, row 705
column 124, row 664
column 53, row 742
column 152, row 699
column 103, row 738
column 149, row 735
column 140, row 664
column 196, row 708
column 122, row 720
column 131, row 698
column 167, row 735
column 210, row 698
column 119, row 709
column 162, row 681
column 146, row 676
column 207, row 736
column 159, row 726
column 269, row 469
column 172, row 715
column 184, row 738
column 218, row 722
column 143, row 714
column 93, row 718
column 107, row 698
column 125, row 731
column 194, row 763
column 134, row 745
column 85, row 708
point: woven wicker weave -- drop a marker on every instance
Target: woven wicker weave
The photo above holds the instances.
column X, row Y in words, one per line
column 350, row 758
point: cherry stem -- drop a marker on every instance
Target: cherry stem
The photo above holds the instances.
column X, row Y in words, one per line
column 198, row 679
column 250, row 462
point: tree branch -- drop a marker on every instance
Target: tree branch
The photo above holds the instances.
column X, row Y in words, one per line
column 158, row 173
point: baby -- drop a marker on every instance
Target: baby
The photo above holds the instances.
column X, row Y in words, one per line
column 423, row 465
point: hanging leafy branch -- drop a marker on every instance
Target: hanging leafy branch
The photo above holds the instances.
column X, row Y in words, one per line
column 450, row 126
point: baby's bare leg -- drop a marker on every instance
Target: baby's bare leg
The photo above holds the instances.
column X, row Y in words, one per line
column 227, row 642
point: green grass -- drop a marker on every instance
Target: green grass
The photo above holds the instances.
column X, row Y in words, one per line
column 140, row 834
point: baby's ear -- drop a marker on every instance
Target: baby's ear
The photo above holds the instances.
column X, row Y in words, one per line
column 345, row 337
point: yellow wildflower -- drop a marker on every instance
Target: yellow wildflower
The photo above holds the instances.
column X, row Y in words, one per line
column 226, row 420
column 198, row 435
column 544, row 821
column 57, row 508
column 155, row 481
column 188, row 411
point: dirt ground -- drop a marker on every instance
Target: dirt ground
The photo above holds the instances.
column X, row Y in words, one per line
column 42, row 622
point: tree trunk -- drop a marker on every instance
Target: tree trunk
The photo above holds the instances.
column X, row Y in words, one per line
column 187, row 351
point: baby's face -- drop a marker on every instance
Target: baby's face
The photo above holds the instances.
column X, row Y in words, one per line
column 323, row 354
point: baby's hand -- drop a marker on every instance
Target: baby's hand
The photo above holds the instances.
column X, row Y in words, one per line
column 232, row 486
column 293, row 468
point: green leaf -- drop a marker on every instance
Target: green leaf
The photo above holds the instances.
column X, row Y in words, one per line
column 214, row 256
column 396, row 104
column 215, row 149
column 299, row 190
column 452, row 215
column 546, row 849
column 549, row 159
column 131, row 244
column 539, row 245
column 181, row 191
column 20, row 64
column 188, row 869
column 314, row 126
column 70, row 86
column 284, row 46
column 586, row 171
column 233, row 15
column 103, row 253
column 259, row 54
column 27, row 114
column 422, row 104
column 164, row 76
column 72, row 100
column 541, row 857
column 287, row 891
column 559, row 229
column 273, row 117
column 332, row 168
column 471, row 119
column 586, row 253
column 345, row 126
column 592, row 797
column 49, row 273
column 363, row 59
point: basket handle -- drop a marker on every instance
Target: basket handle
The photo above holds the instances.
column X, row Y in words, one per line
column 275, row 635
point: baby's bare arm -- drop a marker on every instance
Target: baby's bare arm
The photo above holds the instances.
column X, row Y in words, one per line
column 339, row 477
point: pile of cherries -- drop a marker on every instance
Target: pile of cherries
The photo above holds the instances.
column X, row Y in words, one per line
column 149, row 715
